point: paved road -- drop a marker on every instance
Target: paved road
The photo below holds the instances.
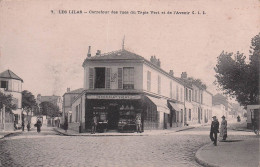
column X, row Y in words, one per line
column 50, row 149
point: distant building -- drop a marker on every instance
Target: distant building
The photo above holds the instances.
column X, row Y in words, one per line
column 220, row 100
column 10, row 83
column 68, row 98
column 56, row 100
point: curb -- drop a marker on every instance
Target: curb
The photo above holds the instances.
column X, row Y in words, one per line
column 200, row 160
column 8, row 134
column 102, row 135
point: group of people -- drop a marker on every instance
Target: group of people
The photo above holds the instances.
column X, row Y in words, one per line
column 138, row 124
column 214, row 130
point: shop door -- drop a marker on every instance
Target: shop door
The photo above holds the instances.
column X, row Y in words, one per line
column 113, row 117
column 198, row 115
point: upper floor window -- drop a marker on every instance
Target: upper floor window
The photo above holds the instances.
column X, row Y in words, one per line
column 189, row 95
column 4, row 84
column 171, row 89
column 159, row 84
column 181, row 94
column 128, row 78
column 148, row 80
column 177, row 92
column 196, row 96
column 100, row 77
column 186, row 94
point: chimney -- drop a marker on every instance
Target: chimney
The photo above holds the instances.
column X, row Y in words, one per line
column 184, row 75
column 98, row 53
column 89, row 51
column 158, row 63
column 171, row 72
column 68, row 89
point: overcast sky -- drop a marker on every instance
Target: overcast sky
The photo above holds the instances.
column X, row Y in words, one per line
column 47, row 50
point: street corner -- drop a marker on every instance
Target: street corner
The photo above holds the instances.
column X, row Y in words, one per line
column 201, row 159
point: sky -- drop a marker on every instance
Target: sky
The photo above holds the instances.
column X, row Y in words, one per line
column 47, row 49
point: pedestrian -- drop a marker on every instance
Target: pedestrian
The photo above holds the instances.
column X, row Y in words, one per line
column 223, row 128
column 138, row 124
column 28, row 126
column 38, row 125
column 214, row 130
column 94, row 125
column 66, row 124
column 22, row 126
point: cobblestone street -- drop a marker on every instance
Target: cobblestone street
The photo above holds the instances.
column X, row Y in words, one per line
column 50, row 149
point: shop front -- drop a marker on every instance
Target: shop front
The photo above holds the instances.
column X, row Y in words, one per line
column 113, row 112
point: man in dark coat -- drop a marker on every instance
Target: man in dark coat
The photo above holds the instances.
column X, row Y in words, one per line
column 94, row 124
column 38, row 125
column 214, row 130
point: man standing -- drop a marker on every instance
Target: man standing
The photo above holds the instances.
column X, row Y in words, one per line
column 94, row 124
column 138, row 124
column 214, row 130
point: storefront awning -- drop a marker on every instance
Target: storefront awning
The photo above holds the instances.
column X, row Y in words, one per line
column 175, row 106
column 161, row 104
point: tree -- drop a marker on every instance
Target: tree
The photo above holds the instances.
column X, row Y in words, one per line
column 49, row 109
column 28, row 101
column 7, row 100
column 239, row 78
column 197, row 82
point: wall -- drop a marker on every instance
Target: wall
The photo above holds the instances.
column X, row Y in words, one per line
column 114, row 72
column 165, row 84
column 81, row 112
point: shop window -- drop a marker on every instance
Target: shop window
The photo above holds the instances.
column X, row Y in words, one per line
column 4, row 84
column 189, row 114
column 128, row 78
column 100, row 77
column 148, row 80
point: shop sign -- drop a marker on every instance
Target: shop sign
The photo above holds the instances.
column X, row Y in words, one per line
column 117, row 97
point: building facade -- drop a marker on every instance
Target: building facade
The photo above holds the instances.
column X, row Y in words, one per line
column 11, row 84
column 120, row 85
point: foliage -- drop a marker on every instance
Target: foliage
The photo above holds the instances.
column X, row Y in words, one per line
column 49, row 109
column 28, row 101
column 7, row 100
column 239, row 78
column 197, row 82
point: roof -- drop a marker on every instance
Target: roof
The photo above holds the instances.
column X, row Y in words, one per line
column 126, row 55
column 117, row 55
column 8, row 74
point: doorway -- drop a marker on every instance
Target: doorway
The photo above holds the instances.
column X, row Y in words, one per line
column 113, row 117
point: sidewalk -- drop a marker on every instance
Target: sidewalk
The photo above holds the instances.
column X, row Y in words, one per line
column 237, row 153
column 7, row 133
column 145, row 133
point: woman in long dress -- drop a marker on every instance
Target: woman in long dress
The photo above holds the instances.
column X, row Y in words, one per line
column 223, row 128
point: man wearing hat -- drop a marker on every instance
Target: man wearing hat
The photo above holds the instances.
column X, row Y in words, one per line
column 214, row 130
column 223, row 128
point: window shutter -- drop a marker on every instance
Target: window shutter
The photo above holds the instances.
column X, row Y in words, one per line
column 120, row 78
column 108, row 71
column 91, row 78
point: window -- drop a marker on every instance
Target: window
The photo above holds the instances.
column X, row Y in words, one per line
column 80, row 113
column 177, row 92
column 189, row 95
column 181, row 94
column 201, row 99
column 171, row 89
column 148, row 80
column 159, row 84
column 100, row 77
column 128, row 78
column 196, row 95
column 4, row 84
column 77, row 114
column 186, row 94
column 189, row 114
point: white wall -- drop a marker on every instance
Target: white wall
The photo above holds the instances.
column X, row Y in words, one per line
column 165, row 84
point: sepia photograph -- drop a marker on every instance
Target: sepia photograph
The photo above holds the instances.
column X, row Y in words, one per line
column 140, row 83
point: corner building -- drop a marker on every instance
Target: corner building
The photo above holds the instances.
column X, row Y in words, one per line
column 120, row 85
